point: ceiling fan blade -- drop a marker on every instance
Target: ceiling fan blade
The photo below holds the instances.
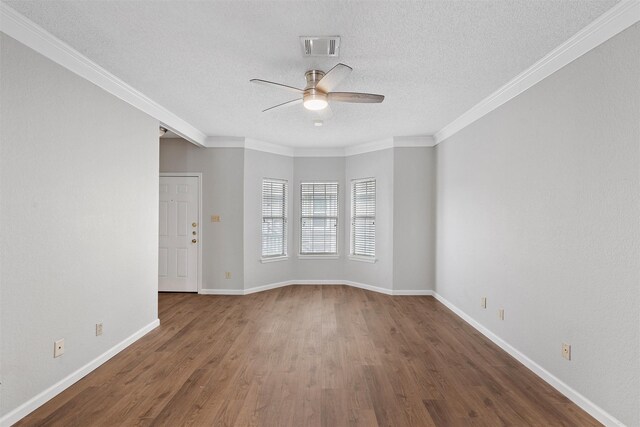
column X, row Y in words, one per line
column 360, row 98
column 333, row 77
column 285, row 104
column 277, row 85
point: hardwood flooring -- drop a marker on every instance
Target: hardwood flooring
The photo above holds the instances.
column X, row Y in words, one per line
column 310, row 356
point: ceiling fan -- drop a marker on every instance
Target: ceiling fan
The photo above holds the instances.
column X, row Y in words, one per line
column 317, row 94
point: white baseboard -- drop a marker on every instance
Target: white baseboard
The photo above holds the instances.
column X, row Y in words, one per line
column 221, row 292
column 369, row 287
column 594, row 410
column 267, row 287
column 412, row 292
column 35, row 402
column 315, row 282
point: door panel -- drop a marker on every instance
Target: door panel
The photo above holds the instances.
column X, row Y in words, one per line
column 179, row 234
column 163, row 262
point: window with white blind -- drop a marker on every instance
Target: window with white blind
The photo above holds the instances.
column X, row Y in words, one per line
column 274, row 218
column 319, row 218
column 363, row 218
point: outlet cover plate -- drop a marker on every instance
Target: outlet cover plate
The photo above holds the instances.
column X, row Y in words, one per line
column 58, row 348
column 566, row 351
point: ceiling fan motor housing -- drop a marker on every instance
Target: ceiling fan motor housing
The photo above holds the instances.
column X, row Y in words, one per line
column 313, row 77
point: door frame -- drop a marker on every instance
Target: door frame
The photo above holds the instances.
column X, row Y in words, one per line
column 200, row 234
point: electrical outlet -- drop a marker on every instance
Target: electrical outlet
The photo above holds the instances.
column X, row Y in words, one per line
column 501, row 314
column 98, row 329
column 483, row 302
column 215, row 218
column 566, row 351
column 227, row 275
column 58, row 348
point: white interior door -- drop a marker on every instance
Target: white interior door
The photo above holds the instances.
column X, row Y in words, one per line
column 179, row 234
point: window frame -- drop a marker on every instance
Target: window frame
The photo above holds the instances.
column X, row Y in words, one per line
column 285, row 221
column 320, row 255
column 352, row 255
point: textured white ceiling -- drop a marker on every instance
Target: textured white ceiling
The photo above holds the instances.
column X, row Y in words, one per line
column 433, row 60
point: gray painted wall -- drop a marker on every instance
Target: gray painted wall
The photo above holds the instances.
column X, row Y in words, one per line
column 233, row 189
column 259, row 165
column 79, row 208
column 414, row 218
column 317, row 169
column 538, row 207
column 222, row 194
column 378, row 164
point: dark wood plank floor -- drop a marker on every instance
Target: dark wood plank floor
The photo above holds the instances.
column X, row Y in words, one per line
column 310, row 356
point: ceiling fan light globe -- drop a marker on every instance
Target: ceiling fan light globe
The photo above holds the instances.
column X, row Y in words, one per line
column 315, row 101
column 315, row 104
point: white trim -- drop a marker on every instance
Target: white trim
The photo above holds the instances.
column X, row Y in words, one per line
column 318, row 152
column 267, row 147
column 221, row 292
column 618, row 18
column 370, row 287
column 594, row 410
column 318, row 256
column 274, row 259
column 321, row 282
column 344, row 283
column 361, row 258
column 201, row 234
column 224, row 142
column 267, row 287
column 315, row 282
column 413, row 141
column 368, row 147
column 416, row 292
column 37, row 38
column 41, row 398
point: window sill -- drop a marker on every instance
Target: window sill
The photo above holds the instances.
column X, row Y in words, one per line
column 371, row 260
column 274, row 259
column 318, row 256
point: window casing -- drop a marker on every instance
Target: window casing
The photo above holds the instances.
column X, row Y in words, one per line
column 363, row 218
column 274, row 218
column 319, row 218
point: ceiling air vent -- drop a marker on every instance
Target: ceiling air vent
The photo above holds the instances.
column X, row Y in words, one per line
column 320, row 46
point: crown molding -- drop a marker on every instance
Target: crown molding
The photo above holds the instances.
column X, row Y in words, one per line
column 224, row 142
column 612, row 22
column 318, row 152
column 368, row 147
column 37, row 38
column 268, row 147
column 413, row 141
column 282, row 150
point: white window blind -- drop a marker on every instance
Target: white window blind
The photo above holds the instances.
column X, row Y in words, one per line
column 319, row 218
column 274, row 218
column 363, row 217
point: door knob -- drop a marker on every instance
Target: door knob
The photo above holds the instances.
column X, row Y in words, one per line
column 194, row 224
column 194, row 241
column 193, row 232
